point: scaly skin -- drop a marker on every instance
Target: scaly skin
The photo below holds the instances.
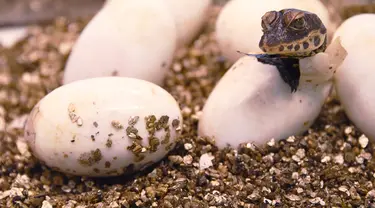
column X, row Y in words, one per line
column 289, row 35
column 293, row 32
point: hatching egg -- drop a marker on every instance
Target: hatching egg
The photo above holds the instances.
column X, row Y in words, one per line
column 252, row 104
column 130, row 38
column 190, row 16
column 103, row 126
column 238, row 27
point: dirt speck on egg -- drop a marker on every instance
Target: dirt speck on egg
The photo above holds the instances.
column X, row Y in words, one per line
column 73, row 115
column 117, row 124
column 90, row 158
column 109, row 143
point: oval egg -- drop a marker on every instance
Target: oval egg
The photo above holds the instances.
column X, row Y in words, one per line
column 103, row 126
column 362, row 35
column 252, row 103
column 130, row 38
column 236, row 112
column 190, row 16
column 355, row 79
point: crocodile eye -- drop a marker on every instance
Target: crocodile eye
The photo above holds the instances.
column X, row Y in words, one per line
column 298, row 24
column 268, row 19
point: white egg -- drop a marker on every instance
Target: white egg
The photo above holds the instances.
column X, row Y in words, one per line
column 103, row 126
column 251, row 103
column 190, row 16
column 238, row 27
column 356, row 31
column 130, row 38
column 11, row 35
column 355, row 79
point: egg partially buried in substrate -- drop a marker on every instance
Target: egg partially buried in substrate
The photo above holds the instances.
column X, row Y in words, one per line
column 128, row 38
column 251, row 103
column 190, row 16
column 355, row 80
column 103, row 126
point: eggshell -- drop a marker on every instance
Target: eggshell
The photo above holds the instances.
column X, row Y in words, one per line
column 103, row 126
column 190, row 16
column 11, row 35
column 355, row 79
column 251, row 103
column 130, row 38
column 238, row 27
column 356, row 31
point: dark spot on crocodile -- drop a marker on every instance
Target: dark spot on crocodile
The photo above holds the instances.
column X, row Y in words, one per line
column 323, row 30
column 316, row 40
column 296, row 47
column 305, row 45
